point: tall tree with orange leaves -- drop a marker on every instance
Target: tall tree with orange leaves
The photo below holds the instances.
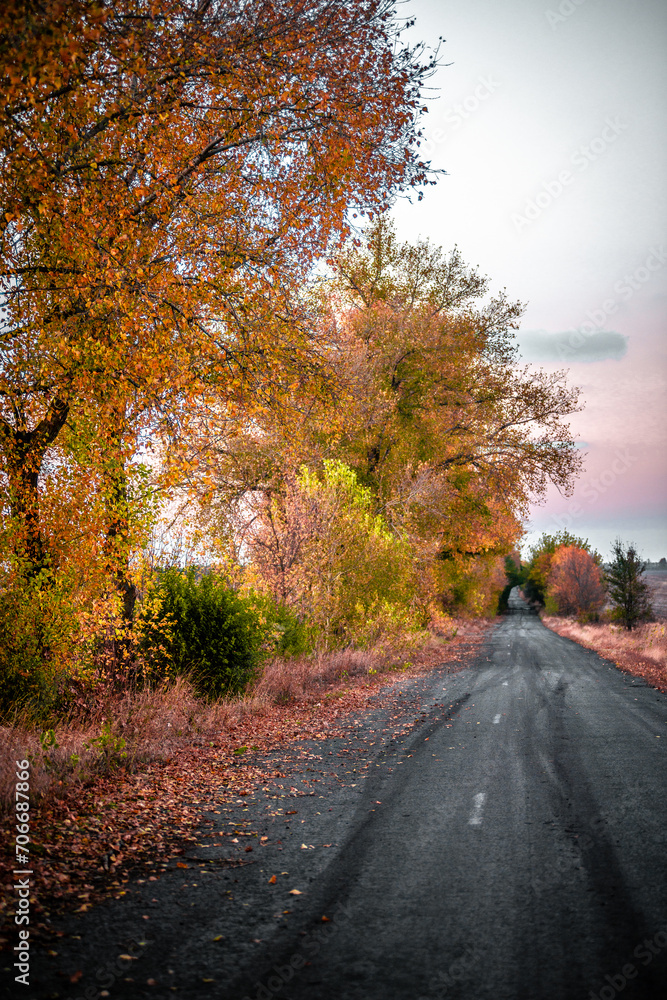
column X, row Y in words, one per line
column 171, row 170
column 576, row 583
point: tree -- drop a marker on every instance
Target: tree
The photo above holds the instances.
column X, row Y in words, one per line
column 171, row 172
column 541, row 556
column 627, row 588
column 320, row 547
column 438, row 422
column 450, row 434
column 514, row 571
column 575, row 582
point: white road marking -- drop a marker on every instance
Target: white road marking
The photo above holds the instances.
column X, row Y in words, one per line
column 496, row 719
column 476, row 818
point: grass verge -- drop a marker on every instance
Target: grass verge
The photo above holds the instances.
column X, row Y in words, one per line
column 642, row 652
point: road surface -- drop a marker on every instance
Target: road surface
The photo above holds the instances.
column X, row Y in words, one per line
column 512, row 847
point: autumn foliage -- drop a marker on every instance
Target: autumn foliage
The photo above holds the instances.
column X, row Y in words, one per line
column 432, row 420
column 575, row 582
column 196, row 342
column 170, row 171
column 535, row 573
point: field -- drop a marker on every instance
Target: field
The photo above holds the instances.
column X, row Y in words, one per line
column 657, row 581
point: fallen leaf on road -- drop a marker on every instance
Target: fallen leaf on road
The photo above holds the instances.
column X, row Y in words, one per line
column 272, row 880
column 295, row 892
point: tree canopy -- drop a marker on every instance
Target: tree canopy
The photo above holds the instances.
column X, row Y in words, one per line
column 171, row 170
column 433, row 414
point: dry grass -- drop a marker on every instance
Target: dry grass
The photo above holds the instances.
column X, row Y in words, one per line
column 136, row 728
column 304, row 678
column 143, row 726
column 642, row 652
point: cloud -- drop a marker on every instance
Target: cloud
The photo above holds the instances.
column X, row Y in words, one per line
column 573, row 345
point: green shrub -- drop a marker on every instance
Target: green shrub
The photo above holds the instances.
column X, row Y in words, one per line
column 37, row 632
column 286, row 634
column 201, row 628
column 550, row 604
column 111, row 749
column 356, row 573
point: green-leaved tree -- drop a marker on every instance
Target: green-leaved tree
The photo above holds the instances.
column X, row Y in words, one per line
column 627, row 587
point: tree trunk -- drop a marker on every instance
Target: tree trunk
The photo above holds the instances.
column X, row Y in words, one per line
column 116, row 547
column 24, row 453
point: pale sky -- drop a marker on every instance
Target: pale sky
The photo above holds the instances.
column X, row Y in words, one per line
column 550, row 125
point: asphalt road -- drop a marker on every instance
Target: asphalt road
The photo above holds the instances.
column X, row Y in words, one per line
column 513, row 846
